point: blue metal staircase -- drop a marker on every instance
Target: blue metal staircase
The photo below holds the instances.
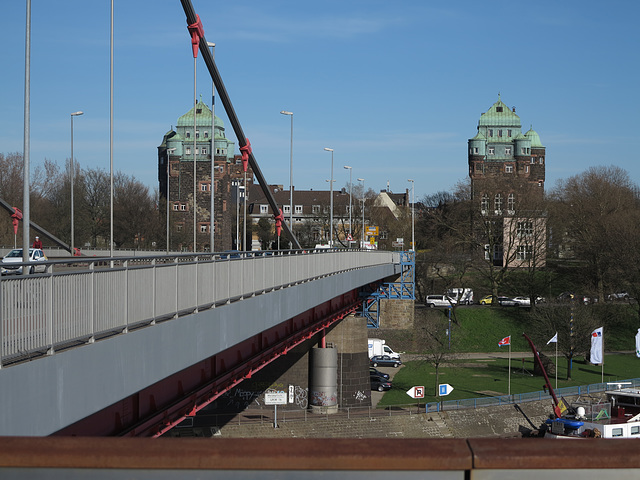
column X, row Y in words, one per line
column 402, row 290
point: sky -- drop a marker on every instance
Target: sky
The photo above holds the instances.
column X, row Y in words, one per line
column 396, row 89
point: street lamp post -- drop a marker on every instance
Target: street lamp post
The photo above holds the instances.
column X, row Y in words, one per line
column 362, row 242
column 284, row 112
column 213, row 149
column 74, row 114
column 169, row 152
column 413, row 218
column 350, row 171
column 331, row 199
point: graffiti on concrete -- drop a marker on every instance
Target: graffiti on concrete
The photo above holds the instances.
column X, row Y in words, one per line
column 301, row 397
column 322, row 399
column 360, row 396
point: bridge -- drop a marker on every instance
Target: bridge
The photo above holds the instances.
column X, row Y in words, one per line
column 130, row 346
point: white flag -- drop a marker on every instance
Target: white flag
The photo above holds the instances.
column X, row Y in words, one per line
column 596, row 346
column 554, row 339
column 638, row 343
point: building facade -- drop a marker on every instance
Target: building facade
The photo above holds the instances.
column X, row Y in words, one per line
column 199, row 140
column 507, row 172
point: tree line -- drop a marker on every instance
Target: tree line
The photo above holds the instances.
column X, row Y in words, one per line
column 138, row 222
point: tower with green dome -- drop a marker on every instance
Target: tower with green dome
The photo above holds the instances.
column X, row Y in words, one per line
column 507, row 172
column 501, row 154
column 177, row 152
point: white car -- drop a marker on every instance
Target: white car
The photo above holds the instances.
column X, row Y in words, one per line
column 12, row 260
column 522, row 301
column 433, row 301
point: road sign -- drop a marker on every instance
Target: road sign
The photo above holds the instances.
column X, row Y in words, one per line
column 371, row 231
column 349, row 237
column 445, row 389
column 275, row 398
column 416, row 392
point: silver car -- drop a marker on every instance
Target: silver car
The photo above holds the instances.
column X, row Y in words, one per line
column 12, row 260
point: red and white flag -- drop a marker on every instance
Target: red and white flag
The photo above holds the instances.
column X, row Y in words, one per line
column 596, row 346
column 505, row 341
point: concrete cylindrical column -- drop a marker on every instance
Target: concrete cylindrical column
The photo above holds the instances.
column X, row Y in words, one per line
column 323, row 384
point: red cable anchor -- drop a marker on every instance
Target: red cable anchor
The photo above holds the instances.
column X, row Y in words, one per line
column 246, row 151
column 197, row 32
column 279, row 218
column 15, row 219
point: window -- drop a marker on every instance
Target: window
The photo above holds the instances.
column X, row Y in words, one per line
column 541, row 160
column 507, row 151
column 315, row 209
column 491, row 132
column 533, row 160
column 183, row 207
column 524, row 252
column 511, row 202
column 523, row 150
column 484, row 203
column 264, row 208
column 498, row 202
column 635, row 430
column 286, row 209
column 298, row 210
column 508, row 133
column 524, row 229
column 205, row 186
column 616, row 432
column 204, row 228
column 499, row 133
column 475, row 150
column 204, row 150
column 499, row 109
column 187, row 151
column 478, row 166
column 508, row 168
column 492, row 150
column 197, row 134
column 179, row 226
column 206, row 134
column 188, row 134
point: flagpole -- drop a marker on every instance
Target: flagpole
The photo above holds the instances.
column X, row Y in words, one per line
column 602, row 374
column 509, row 367
column 556, row 364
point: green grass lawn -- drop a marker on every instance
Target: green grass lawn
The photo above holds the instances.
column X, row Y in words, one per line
column 489, row 377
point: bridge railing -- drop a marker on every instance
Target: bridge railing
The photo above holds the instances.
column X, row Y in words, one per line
column 83, row 300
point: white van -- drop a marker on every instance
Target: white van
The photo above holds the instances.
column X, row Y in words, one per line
column 464, row 296
column 433, row 301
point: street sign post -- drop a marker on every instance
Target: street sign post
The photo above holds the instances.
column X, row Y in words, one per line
column 444, row 389
column 275, row 399
column 416, row 392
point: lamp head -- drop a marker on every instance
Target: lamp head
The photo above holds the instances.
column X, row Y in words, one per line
column 75, row 114
column 284, row 112
column 328, row 149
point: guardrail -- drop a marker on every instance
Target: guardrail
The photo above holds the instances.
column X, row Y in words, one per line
column 83, row 300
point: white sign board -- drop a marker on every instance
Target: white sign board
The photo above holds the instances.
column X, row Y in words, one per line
column 416, row 392
column 444, row 389
column 275, row 398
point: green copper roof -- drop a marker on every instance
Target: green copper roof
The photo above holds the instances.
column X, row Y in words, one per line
column 499, row 115
column 534, row 137
column 203, row 117
column 479, row 136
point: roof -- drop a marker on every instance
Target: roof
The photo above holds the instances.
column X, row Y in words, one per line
column 499, row 115
column 203, row 117
column 534, row 137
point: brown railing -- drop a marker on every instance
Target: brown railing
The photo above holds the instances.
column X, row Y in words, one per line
column 336, row 458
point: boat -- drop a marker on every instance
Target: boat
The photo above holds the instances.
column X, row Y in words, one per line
column 617, row 415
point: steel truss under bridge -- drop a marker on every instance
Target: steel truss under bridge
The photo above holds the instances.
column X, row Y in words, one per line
column 402, row 290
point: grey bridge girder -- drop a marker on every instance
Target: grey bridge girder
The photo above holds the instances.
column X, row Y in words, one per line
column 48, row 394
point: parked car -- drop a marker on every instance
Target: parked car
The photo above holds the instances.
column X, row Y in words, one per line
column 380, row 383
column 375, row 371
column 486, row 300
column 11, row 261
column 522, row 301
column 384, row 361
column 570, row 296
column 507, row 302
column 618, row 296
column 433, row 301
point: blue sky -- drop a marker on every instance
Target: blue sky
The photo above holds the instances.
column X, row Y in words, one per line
column 396, row 89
